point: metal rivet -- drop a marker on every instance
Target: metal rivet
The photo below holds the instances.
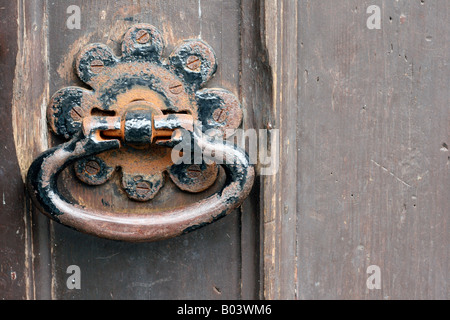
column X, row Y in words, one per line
column 221, row 115
column 92, row 168
column 97, row 66
column 193, row 63
column 143, row 188
column 176, row 87
column 194, row 171
column 76, row 113
column 142, row 37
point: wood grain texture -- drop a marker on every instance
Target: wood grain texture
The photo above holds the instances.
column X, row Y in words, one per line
column 280, row 20
column 374, row 179
column 29, row 131
column 14, row 237
column 255, row 94
column 372, row 160
column 31, row 83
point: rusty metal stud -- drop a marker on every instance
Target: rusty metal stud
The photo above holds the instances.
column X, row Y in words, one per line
column 219, row 109
column 93, row 171
column 97, row 66
column 66, row 109
column 76, row 113
column 92, row 168
column 93, row 60
column 142, row 36
column 142, row 188
column 221, row 115
column 193, row 63
column 194, row 177
column 194, row 171
column 142, row 42
column 176, row 87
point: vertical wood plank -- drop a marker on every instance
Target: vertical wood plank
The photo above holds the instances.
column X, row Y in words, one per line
column 280, row 213
column 29, row 130
column 14, row 236
column 256, row 97
column 373, row 162
column 371, row 134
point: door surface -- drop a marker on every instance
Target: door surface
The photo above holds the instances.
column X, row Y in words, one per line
column 363, row 176
column 208, row 264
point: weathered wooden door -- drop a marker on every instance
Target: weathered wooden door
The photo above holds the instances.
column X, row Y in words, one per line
column 363, row 117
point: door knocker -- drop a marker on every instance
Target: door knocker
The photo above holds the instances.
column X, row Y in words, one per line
column 130, row 119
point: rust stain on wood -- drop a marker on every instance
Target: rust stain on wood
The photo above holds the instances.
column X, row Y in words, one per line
column 65, row 68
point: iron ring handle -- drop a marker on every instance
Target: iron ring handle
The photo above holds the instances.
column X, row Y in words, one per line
column 42, row 186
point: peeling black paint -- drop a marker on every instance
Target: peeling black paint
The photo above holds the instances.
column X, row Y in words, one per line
column 178, row 60
column 204, row 224
column 208, row 102
column 151, row 50
column 150, row 185
column 102, row 176
column 138, row 127
column 62, row 104
column 35, row 181
column 127, row 82
column 180, row 173
column 94, row 52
